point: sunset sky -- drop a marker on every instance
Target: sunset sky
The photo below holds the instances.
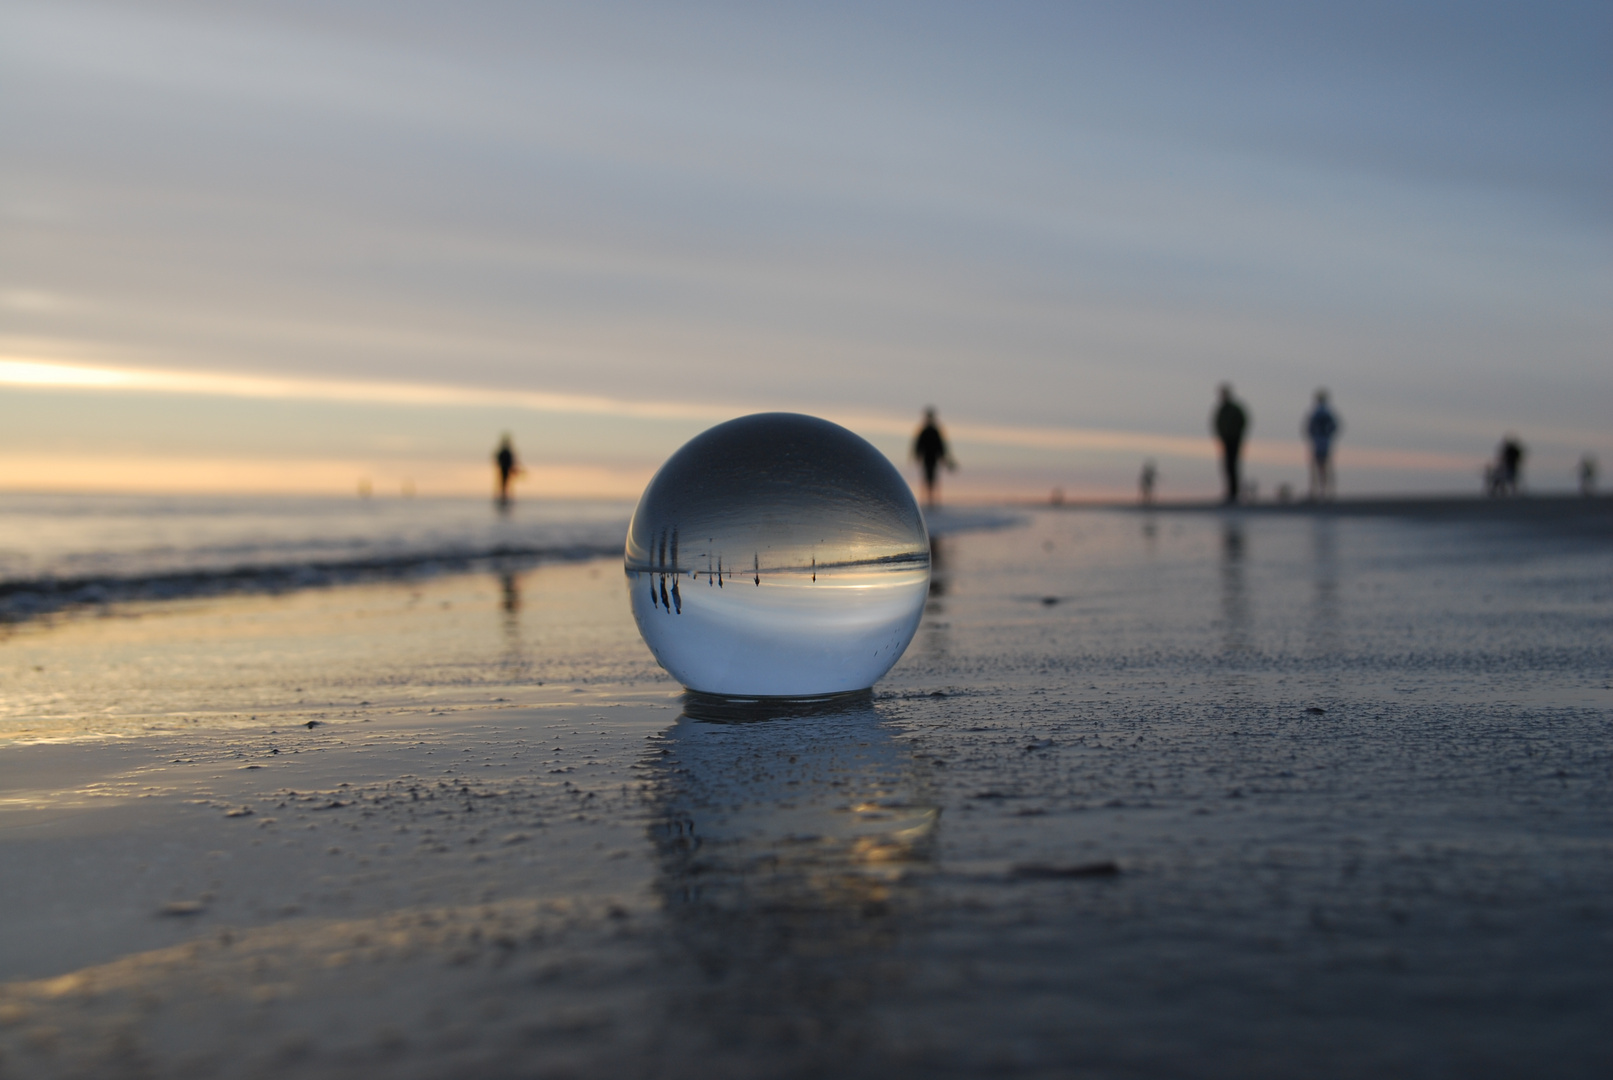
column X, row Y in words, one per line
column 289, row 246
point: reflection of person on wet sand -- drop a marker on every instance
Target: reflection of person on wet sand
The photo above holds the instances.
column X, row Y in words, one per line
column 930, row 447
column 508, row 468
column 938, row 567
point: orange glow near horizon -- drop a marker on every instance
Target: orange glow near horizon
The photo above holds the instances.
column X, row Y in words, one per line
column 130, row 475
column 156, row 473
column 32, row 372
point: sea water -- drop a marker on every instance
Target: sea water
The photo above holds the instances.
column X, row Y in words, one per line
column 66, row 550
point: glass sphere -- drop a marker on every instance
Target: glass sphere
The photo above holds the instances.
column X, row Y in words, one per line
column 777, row 555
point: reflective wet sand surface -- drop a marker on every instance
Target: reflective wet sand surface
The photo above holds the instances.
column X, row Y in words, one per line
column 1180, row 794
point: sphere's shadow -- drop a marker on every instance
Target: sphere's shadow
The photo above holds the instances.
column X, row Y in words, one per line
column 793, row 839
column 719, row 709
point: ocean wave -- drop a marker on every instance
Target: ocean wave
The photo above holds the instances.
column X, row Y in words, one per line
column 22, row 599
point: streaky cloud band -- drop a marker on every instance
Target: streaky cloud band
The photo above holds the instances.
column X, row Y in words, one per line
column 25, row 371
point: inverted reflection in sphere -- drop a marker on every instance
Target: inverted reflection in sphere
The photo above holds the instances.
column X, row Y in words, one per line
column 777, row 555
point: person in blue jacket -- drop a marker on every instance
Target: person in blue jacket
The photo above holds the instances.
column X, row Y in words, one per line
column 1321, row 427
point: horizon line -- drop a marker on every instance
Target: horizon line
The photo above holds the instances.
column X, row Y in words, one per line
column 27, row 372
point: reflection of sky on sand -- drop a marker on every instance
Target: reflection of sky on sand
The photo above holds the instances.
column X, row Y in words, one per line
column 787, row 853
column 518, row 635
column 1325, row 630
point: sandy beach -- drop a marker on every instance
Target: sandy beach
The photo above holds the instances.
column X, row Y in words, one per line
column 411, row 409
column 1181, row 792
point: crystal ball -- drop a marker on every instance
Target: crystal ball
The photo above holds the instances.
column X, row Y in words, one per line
column 777, row 555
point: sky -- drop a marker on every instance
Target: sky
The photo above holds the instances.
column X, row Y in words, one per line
column 292, row 246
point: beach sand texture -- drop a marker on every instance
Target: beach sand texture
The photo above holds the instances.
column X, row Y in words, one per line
column 1207, row 794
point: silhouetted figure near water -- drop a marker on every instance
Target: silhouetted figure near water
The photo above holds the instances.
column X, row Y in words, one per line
column 1587, row 475
column 930, row 447
column 1506, row 474
column 1322, row 426
column 1145, row 483
column 1229, row 424
column 508, row 468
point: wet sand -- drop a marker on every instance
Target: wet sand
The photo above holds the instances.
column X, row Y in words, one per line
column 1151, row 794
column 1574, row 514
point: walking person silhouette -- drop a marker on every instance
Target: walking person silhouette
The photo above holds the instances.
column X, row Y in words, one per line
column 930, row 447
column 1145, row 483
column 1321, row 427
column 1229, row 423
column 508, row 467
column 1509, row 459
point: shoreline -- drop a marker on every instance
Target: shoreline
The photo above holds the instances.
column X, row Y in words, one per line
column 1530, row 509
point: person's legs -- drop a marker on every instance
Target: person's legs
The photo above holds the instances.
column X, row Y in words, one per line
column 1229, row 464
column 1321, row 474
column 930, row 465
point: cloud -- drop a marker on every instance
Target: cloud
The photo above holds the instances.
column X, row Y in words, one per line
column 1061, row 223
column 36, row 373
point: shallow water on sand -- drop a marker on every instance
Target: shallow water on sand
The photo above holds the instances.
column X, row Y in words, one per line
column 1181, row 794
column 70, row 552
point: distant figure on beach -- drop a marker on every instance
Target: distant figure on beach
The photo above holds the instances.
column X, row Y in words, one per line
column 1510, row 459
column 1321, row 427
column 930, row 447
column 1587, row 475
column 1145, row 483
column 1229, row 424
column 508, row 468
column 1503, row 477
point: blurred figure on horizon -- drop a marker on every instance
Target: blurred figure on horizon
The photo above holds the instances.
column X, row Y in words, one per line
column 1321, row 427
column 508, row 467
column 930, row 448
column 1504, row 476
column 1145, row 483
column 1229, row 424
column 1587, row 475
